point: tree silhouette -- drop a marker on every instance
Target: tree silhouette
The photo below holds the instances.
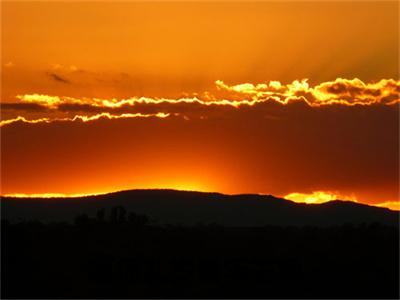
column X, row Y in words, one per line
column 118, row 214
column 82, row 220
column 124, row 257
column 137, row 219
column 100, row 215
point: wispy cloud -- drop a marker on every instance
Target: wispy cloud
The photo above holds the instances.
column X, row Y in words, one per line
column 58, row 78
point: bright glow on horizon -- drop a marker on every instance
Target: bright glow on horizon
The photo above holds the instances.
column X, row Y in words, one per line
column 393, row 205
column 50, row 195
column 189, row 187
column 318, row 197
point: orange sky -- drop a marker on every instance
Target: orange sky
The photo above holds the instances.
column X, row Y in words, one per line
column 225, row 124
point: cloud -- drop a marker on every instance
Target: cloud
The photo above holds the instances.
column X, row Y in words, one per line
column 59, row 78
column 264, row 97
column 29, row 107
column 82, row 118
column 86, row 77
column 340, row 91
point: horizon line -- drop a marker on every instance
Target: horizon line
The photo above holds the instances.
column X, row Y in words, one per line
column 384, row 204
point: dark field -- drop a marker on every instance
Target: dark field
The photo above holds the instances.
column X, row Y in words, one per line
column 117, row 254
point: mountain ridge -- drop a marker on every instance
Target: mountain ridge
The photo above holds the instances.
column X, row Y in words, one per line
column 191, row 207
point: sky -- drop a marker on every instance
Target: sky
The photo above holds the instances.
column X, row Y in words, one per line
column 295, row 99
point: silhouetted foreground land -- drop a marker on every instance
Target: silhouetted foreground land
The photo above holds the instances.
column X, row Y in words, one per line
column 259, row 247
column 117, row 254
column 190, row 208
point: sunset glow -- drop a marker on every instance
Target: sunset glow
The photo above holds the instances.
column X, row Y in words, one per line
column 318, row 197
column 202, row 149
column 48, row 195
column 299, row 100
column 395, row 205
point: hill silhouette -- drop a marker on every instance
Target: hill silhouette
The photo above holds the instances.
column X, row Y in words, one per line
column 189, row 208
column 202, row 246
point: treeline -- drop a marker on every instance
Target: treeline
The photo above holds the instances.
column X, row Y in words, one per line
column 120, row 254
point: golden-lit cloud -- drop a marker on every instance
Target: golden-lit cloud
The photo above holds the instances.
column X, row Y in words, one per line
column 82, row 118
column 54, row 102
column 341, row 92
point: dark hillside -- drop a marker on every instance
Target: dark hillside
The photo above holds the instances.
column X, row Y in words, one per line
column 170, row 206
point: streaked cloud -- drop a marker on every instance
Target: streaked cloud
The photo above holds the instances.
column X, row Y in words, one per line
column 340, row 92
column 82, row 118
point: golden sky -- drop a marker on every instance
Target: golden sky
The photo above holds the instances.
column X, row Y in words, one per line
column 212, row 96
